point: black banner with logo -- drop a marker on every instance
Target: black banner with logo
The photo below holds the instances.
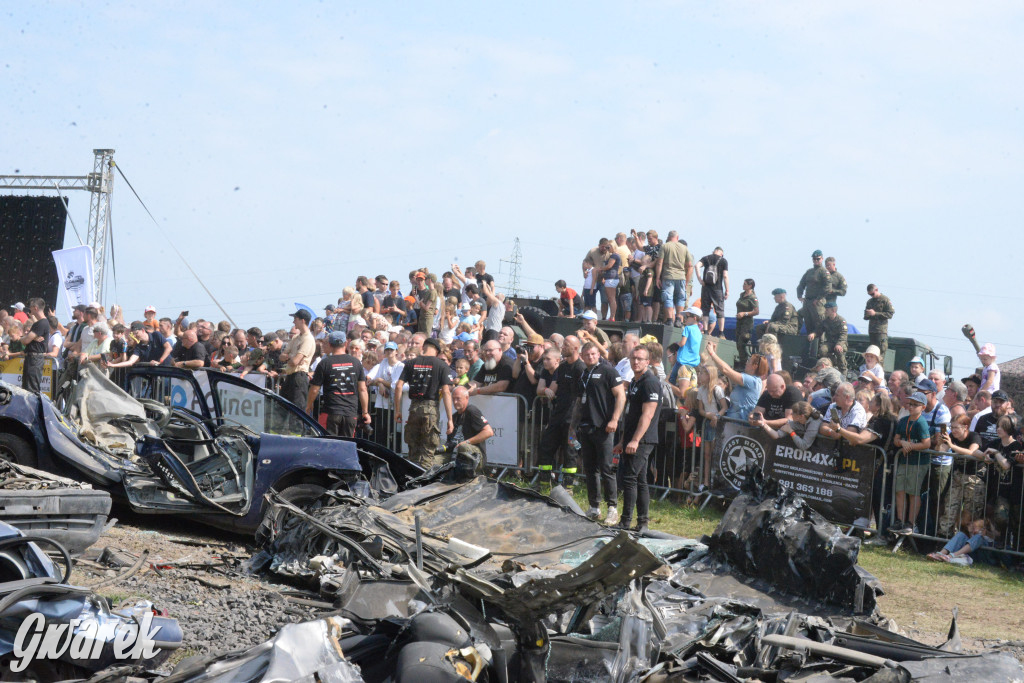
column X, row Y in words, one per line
column 834, row 478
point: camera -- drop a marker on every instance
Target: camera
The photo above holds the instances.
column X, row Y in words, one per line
column 521, row 350
column 184, row 314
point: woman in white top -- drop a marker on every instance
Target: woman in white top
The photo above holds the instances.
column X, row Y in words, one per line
column 449, row 323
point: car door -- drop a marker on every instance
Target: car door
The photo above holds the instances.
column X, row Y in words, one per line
column 240, row 401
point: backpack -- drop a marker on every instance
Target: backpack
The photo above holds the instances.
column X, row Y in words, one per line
column 711, row 273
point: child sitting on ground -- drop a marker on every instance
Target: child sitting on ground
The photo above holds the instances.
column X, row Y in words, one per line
column 959, row 548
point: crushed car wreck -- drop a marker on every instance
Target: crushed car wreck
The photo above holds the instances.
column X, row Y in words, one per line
column 50, row 630
column 487, row 581
column 173, row 460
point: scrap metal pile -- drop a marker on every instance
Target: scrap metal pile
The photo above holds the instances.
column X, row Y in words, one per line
column 485, row 581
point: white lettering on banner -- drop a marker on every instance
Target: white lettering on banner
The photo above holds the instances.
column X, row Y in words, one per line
column 502, row 412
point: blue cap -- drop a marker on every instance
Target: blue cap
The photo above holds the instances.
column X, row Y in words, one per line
column 336, row 339
column 918, row 397
column 925, row 384
column 778, row 290
column 915, row 359
column 392, row 346
column 464, row 336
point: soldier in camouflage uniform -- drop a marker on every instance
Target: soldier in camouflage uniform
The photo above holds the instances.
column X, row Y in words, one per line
column 831, row 333
column 746, row 309
column 812, row 291
column 836, row 280
column 784, row 318
column 428, row 381
column 877, row 312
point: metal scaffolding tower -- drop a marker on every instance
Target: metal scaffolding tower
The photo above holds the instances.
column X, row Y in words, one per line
column 515, row 263
column 100, row 184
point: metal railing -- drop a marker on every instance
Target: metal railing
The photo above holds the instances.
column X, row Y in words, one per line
column 968, row 489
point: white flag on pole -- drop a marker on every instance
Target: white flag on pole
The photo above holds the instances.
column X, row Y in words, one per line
column 74, row 273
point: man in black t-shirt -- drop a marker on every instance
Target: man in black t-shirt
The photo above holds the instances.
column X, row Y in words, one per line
column 35, row 345
column 428, row 378
column 471, row 429
column 188, row 353
column 345, row 399
column 986, row 425
column 713, row 273
column 776, row 402
column 496, row 374
column 602, row 398
column 639, row 437
column 560, row 383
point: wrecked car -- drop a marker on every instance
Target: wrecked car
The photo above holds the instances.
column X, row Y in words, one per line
column 58, row 508
column 482, row 580
column 162, row 458
column 50, row 630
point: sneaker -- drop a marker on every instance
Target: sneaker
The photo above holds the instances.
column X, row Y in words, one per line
column 594, row 514
column 961, row 560
column 613, row 516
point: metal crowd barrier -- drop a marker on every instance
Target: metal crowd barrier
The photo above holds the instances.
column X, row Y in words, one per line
column 951, row 499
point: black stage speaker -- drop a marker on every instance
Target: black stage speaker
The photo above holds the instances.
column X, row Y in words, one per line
column 30, row 229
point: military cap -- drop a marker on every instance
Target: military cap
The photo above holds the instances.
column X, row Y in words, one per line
column 830, row 304
column 778, row 290
column 817, row 254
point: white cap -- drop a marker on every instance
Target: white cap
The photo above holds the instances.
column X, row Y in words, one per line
column 20, row 306
column 588, row 315
column 150, row 309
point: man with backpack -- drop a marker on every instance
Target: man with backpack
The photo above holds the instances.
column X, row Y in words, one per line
column 713, row 273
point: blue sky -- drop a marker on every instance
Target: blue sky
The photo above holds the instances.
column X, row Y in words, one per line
column 288, row 148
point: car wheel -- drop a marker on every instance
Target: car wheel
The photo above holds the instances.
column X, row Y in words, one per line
column 15, row 449
column 299, row 495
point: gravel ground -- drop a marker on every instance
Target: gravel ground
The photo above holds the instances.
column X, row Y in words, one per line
column 219, row 609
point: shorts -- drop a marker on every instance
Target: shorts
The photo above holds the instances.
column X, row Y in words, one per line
column 647, row 301
column 611, row 283
column 910, row 478
column 673, row 293
column 712, row 297
column 589, row 299
column 626, row 300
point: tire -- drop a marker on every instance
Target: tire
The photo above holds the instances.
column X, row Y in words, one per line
column 299, row 495
column 534, row 317
column 14, row 448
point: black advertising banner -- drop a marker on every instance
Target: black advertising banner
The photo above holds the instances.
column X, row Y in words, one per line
column 835, row 479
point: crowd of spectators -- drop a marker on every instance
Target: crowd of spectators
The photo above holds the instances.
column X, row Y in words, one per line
column 361, row 345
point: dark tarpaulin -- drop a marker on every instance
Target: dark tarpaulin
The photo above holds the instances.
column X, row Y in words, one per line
column 771, row 533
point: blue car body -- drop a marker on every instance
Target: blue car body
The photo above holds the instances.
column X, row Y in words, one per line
column 220, row 471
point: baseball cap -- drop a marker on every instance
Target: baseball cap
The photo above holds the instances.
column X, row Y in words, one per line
column 535, row 339
column 693, row 310
column 419, row 275
column 150, row 309
column 96, row 304
column 465, row 306
column 866, row 376
column 1000, row 395
column 336, row 338
column 918, row 397
column 987, row 350
column 588, row 315
column 817, row 253
column 136, row 326
column 269, row 337
column 926, row 385
column 20, row 306
column 391, row 346
column 915, row 359
column 329, row 308
column 302, row 313
column 778, row 290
